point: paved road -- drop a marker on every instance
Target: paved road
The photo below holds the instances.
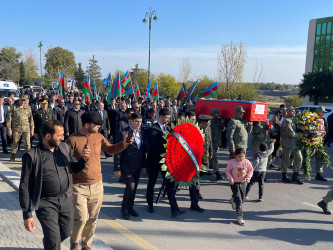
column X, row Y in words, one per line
column 287, row 219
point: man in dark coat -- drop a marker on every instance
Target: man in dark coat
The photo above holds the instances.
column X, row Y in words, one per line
column 3, row 128
column 73, row 119
column 129, row 164
column 61, row 111
column 155, row 148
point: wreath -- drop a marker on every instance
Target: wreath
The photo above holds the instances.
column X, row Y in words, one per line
column 312, row 132
column 183, row 160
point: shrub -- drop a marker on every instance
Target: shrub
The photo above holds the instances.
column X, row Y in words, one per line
column 293, row 100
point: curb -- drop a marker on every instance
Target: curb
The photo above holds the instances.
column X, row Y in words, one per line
column 13, row 179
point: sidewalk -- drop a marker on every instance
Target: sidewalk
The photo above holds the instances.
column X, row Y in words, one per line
column 12, row 232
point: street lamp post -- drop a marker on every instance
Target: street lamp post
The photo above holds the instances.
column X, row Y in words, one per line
column 151, row 14
column 40, row 45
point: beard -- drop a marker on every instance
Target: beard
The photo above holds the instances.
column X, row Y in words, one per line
column 53, row 143
column 92, row 130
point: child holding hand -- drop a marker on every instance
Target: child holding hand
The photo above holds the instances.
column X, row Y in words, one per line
column 239, row 172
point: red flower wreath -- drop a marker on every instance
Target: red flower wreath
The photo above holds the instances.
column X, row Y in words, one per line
column 177, row 160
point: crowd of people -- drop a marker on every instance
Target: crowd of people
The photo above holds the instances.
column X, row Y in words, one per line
column 62, row 179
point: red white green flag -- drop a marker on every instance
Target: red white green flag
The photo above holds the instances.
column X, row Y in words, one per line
column 126, row 79
column 61, row 86
column 87, row 91
column 154, row 95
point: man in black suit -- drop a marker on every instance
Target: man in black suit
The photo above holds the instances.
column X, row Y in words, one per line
column 112, row 114
column 52, row 102
column 73, row 121
column 155, row 148
column 3, row 128
column 129, row 164
column 61, row 110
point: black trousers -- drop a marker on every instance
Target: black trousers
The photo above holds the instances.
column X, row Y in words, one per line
column 56, row 216
column 3, row 133
column 238, row 193
column 194, row 190
column 260, row 177
column 131, row 180
column 169, row 187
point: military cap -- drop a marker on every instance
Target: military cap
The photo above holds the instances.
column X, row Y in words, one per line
column 44, row 101
column 91, row 117
column 321, row 108
column 290, row 108
column 23, row 97
column 239, row 109
column 215, row 111
column 205, row 118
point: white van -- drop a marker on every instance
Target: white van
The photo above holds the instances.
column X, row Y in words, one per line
column 7, row 87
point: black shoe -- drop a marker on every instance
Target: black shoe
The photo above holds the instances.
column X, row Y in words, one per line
column 85, row 248
column 6, row 152
column 197, row 208
column 322, row 204
column 177, row 213
column 328, row 145
column 319, row 177
column 75, row 246
column 218, row 176
column 285, row 178
column 125, row 215
column 150, row 209
column 133, row 212
column 296, row 180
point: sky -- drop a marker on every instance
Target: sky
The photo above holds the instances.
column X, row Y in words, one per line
column 274, row 33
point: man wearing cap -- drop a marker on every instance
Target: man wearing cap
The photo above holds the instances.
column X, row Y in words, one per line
column 43, row 114
column 321, row 111
column 20, row 123
column 238, row 132
column 87, row 185
column 216, row 133
column 289, row 137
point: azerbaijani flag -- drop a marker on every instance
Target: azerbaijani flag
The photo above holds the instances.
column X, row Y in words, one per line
column 181, row 95
column 128, row 92
column 148, row 90
column 126, row 79
column 210, row 92
column 137, row 93
column 116, row 88
column 190, row 91
column 73, row 83
column 61, row 86
column 87, row 91
column 154, row 95
column 107, row 82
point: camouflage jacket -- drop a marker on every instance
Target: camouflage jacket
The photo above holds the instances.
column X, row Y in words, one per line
column 216, row 128
column 20, row 119
column 288, row 133
column 42, row 116
column 238, row 133
column 259, row 133
column 208, row 145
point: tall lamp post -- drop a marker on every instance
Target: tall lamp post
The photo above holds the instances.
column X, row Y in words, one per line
column 151, row 14
column 40, row 45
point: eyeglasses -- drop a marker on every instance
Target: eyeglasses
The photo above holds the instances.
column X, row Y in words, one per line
column 77, row 103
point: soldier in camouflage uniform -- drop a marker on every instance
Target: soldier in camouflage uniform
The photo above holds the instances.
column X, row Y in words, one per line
column 20, row 123
column 238, row 132
column 43, row 114
column 261, row 133
column 216, row 133
column 289, row 137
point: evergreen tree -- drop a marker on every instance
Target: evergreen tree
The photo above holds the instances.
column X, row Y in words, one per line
column 94, row 72
column 22, row 73
column 79, row 76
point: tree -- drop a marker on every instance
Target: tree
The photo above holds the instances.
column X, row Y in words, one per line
column 167, row 85
column 59, row 60
column 140, row 76
column 30, row 67
column 22, row 74
column 185, row 70
column 94, row 72
column 318, row 85
column 293, row 101
column 79, row 76
column 258, row 73
column 230, row 62
column 9, row 63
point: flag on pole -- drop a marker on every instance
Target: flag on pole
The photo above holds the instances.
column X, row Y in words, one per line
column 117, row 88
column 87, row 91
column 210, row 92
column 73, row 83
column 196, row 97
column 181, row 95
column 97, row 96
column 137, row 91
column 154, row 95
column 148, row 90
column 107, row 82
column 128, row 92
column 61, row 86
column 190, row 91
column 126, row 79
